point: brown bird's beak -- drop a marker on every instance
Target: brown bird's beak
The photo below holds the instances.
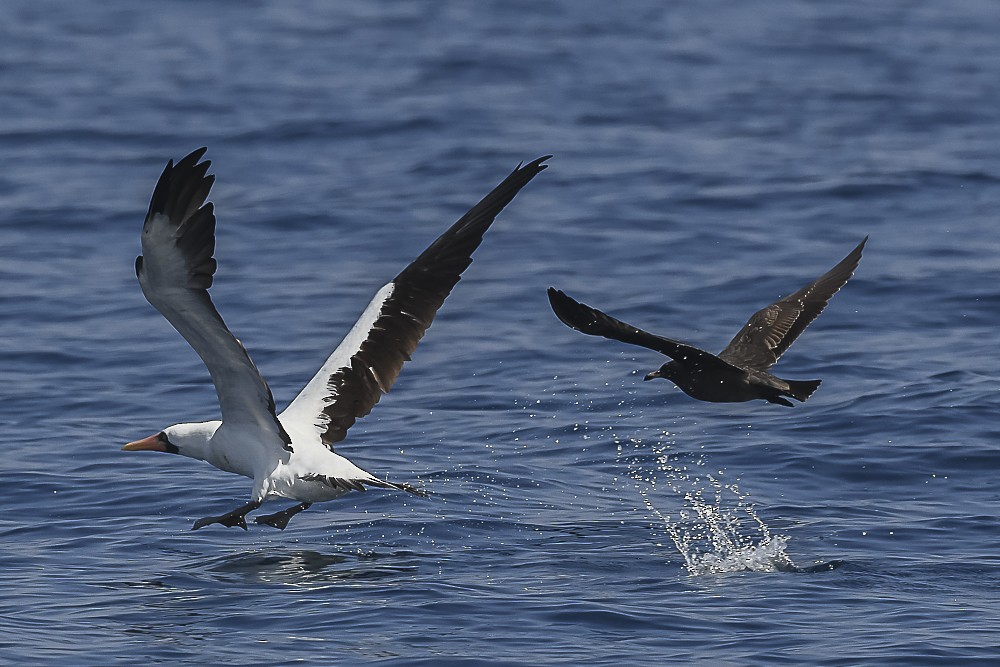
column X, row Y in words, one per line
column 154, row 443
column 652, row 376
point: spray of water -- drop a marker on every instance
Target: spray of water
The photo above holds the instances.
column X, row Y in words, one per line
column 718, row 528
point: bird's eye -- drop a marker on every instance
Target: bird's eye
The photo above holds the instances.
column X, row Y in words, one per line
column 168, row 446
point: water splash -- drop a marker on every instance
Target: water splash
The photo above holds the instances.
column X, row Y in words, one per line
column 718, row 528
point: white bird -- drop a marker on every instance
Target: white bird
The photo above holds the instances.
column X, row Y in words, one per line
column 290, row 455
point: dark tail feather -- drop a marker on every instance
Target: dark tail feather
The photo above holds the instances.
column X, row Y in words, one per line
column 399, row 486
column 359, row 484
column 800, row 390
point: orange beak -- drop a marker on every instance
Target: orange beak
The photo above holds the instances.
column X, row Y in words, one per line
column 154, row 443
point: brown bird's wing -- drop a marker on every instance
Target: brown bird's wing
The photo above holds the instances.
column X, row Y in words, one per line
column 593, row 322
column 772, row 330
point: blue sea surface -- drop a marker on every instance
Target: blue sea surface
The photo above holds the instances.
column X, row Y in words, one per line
column 708, row 158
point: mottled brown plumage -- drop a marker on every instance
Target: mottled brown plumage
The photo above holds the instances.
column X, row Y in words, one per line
column 739, row 372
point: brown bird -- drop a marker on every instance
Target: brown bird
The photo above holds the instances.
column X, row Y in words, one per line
column 739, row 372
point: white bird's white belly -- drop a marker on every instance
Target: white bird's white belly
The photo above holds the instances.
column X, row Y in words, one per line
column 309, row 491
column 309, row 473
column 300, row 477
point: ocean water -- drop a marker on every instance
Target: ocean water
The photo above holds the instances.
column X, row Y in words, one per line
column 708, row 157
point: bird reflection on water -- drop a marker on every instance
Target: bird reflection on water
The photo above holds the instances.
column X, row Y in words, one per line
column 308, row 567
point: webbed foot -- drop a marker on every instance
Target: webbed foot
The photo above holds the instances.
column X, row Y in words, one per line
column 280, row 519
column 230, row 520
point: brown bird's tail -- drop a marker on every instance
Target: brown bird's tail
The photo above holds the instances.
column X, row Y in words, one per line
column 800, row 390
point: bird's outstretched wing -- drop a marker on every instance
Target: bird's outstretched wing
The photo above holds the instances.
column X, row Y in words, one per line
column 591, row 321
column 772, row 330
column 368, row 360
column 175, row 270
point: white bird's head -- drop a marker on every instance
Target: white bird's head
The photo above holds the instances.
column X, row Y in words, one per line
column 185, row 439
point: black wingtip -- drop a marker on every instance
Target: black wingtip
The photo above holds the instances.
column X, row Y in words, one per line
column 193, row 157
column 858, row 250
column 861, row 247
column 182, row 184
column 852, row 260
column 534, row 167
column 570, row 312
column 561, row 304
column 556, row 299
